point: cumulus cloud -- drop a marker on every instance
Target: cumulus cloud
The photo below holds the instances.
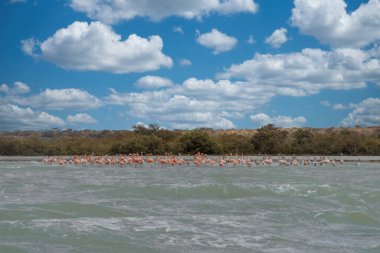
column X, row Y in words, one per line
column 277, row 38
column 4, row 88
column 20, row 87
column 21, row 111
column 217, row 41
column 185, row 62
column 13, row 117
column 30, row 47
column 96, row 47
column 60, row 99
column 194, row 103
column 338, row 106
column 281, row 121
column 81, row 118
column 17, row 88
column 309, row 71
column 112, row 11
column 329, row 22
column 153, row 82
column 366, row 113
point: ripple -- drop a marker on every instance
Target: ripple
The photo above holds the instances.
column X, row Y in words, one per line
column 164, row 209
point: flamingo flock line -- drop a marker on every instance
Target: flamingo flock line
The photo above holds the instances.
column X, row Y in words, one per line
column 198, row 160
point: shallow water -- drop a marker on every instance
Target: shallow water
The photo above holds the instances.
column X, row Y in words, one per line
column 186, row 209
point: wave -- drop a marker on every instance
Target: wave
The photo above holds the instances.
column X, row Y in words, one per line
column 233, row 191
column 356, row 218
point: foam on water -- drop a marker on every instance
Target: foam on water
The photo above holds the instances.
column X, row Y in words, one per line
column 165, row 209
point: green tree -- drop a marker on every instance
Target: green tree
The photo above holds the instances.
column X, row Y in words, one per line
column 352, row 143
column 146, row 130
column 132, row 145
column 302, row 140
column 234, row 143
column 197, row 141
column 270, row 139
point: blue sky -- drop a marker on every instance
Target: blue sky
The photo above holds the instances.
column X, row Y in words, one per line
column 101, row 64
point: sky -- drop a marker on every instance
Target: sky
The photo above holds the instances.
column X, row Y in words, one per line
column 222, row 64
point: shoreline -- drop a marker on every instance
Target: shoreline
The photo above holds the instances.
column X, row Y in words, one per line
column 347, row 159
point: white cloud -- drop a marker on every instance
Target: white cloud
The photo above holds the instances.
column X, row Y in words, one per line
column 17, row 1
column 200, row 119
column 4, row 88
column 195, row 103
column 113, row 11
column 308, row 71
column 251, row 40
column 185, row 62
column 366, row 113
column 178, row 29
column 142, row 124
column 277, row 38
column 217, row 41
column 281, row 121
column 338, row 106
column 18, row 111
column 232, row 115
column 329, row 22
column 30, row 46
column 13, row 117
column 375, row 50
column 96, row 47
column 81, row 118
column 325, row 103
column 17, row 88
column 153, row 82
column 20, row 87
column 227, row 95
column 60, row 99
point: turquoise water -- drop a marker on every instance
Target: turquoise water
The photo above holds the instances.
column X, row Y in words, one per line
column 186, row 209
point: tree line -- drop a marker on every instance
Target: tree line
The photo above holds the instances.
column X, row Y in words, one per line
column 154, row 140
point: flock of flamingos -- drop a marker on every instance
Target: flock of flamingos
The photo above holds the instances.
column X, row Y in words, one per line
column 197, row 160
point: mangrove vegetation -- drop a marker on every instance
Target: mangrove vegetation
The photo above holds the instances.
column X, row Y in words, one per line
column 154, row 140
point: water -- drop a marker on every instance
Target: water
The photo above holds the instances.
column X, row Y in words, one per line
column 186, row 209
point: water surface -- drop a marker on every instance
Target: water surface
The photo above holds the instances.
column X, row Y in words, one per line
column 187, row 209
